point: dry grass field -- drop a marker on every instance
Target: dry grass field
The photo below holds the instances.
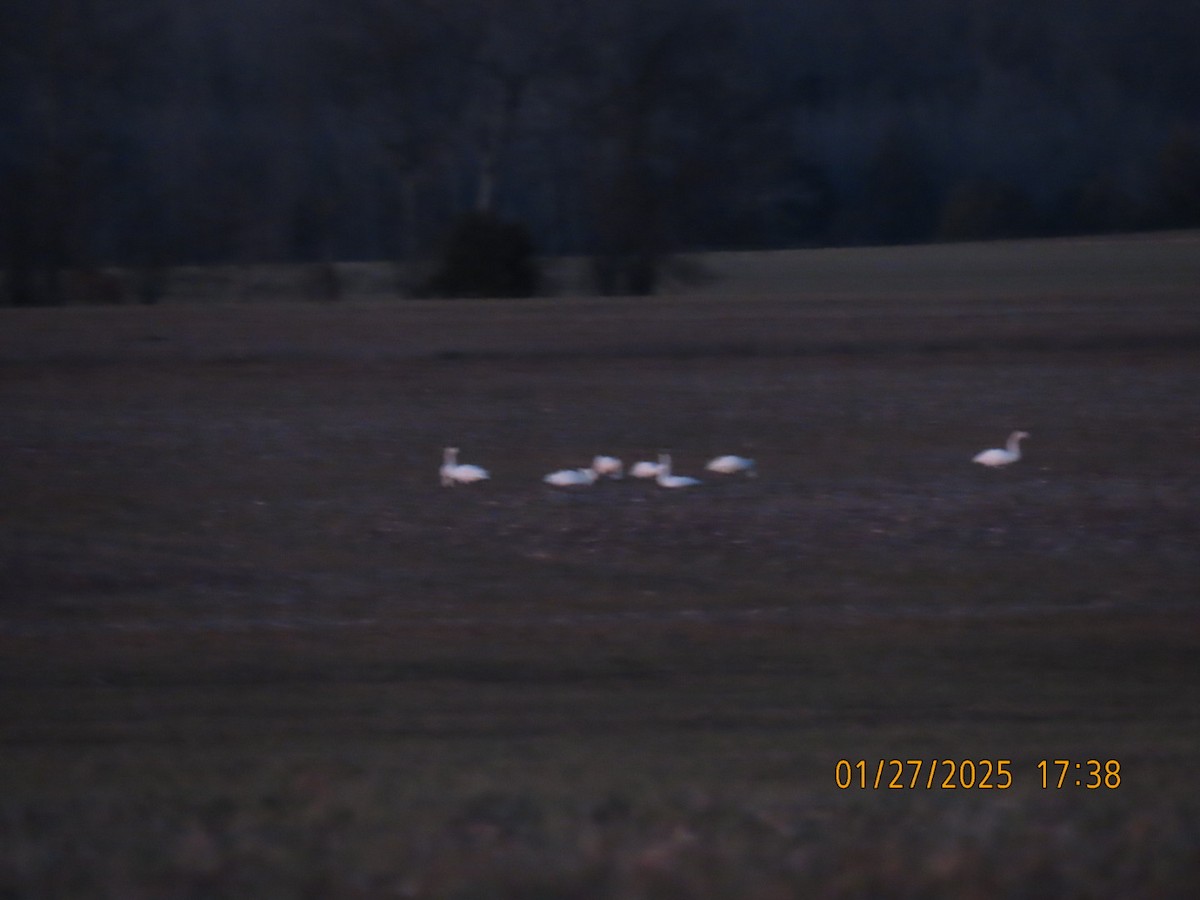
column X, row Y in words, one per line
column 250, row 647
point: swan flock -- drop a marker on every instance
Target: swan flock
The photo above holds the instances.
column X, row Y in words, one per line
column 453, row 472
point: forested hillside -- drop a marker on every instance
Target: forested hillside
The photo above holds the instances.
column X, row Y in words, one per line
column 147, row 133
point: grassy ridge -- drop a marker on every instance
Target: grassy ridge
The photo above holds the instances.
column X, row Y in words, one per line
column 248, row 646
column 1035, row 295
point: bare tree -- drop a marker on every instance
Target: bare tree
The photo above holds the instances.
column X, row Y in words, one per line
column 653, row 113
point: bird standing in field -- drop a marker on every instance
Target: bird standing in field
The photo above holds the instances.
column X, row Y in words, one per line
column 452, row 472
column 666, row 479
column 608, row 466
column 997, row 457
column 571, row 477
column 731, row 465
column 645, row 469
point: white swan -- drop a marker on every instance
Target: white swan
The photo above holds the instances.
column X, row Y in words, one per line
column 453, row 473
column 731, row 465
column 666, row 479
column 645, row 469
column 571, row 477
column 608, row 466
column 997, row 457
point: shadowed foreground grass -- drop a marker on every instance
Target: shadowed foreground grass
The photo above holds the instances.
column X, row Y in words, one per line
column 249, row 647
column 658, row 759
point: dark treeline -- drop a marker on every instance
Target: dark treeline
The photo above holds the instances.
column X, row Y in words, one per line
column 149, row 133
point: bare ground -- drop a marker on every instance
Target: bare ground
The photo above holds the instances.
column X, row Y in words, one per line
column 249, row 646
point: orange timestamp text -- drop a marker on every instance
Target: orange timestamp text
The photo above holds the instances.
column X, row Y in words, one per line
column 971, row 774
column 927, row 774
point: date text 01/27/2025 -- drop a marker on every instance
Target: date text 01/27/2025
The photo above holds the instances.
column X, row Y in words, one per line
column 968, row 774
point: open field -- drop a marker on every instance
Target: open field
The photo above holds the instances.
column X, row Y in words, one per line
column 249, row 647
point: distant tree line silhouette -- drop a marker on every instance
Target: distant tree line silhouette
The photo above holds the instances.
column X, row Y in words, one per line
column 144, row 134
